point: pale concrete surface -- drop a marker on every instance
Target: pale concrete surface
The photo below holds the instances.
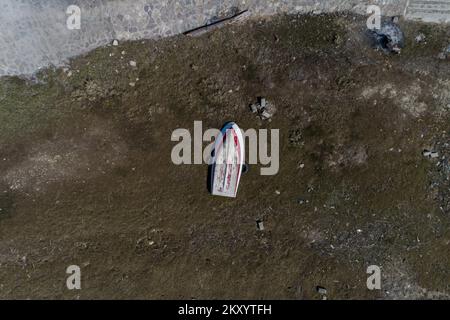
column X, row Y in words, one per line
column 34, row 34
column 428, row 10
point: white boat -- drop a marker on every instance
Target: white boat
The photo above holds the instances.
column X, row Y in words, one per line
column 227, row 161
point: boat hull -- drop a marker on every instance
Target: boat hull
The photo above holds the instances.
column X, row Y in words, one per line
column 227, row 161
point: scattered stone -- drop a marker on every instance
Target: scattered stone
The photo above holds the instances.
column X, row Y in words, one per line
column 133, row 63
column 321, row 290
column 447, row 50
column 389, row 37
column 81, row 245
column 420, row 38
column 260, row 225
column 132, row 84
column 262, row 102
column 218, row 22
column 277, row 192
column 445, row 54
column 296, row 138
column 263, row 108
column 440, row 173
column 430, row 154
column 265, row 115
column 115, row 43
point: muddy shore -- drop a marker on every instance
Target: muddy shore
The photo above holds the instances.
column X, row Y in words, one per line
column 87, row 178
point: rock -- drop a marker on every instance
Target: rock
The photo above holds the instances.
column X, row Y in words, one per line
column 265, row 115
column 389, row 37
column 115, row 43
column 321, row 290
column 447, row 50
column 260, row 225
column 133, row 63
column 420, row 38
column 445, row 54
column 263, row 108
column 430, row 154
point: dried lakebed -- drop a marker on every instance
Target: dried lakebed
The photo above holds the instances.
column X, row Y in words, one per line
column 87, row 178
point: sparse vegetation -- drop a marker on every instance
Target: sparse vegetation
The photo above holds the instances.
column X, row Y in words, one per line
column 90, row 145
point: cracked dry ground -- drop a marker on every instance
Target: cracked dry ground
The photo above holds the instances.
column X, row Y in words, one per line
column 87, row 178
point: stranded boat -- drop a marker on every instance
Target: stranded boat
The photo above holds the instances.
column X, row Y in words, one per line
column 228, row 159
